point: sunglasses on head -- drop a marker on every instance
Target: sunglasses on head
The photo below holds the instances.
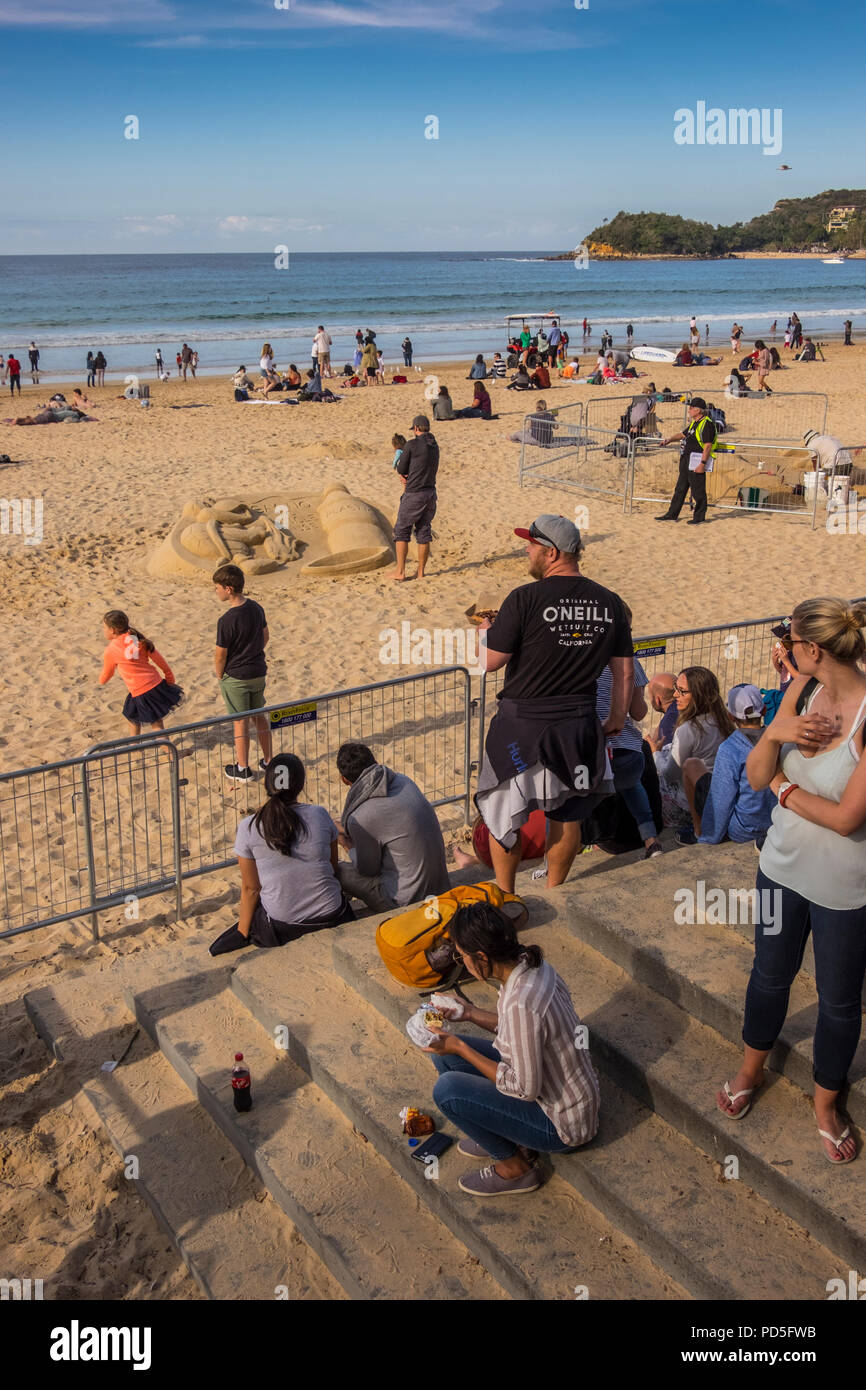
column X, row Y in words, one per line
column 537, row 535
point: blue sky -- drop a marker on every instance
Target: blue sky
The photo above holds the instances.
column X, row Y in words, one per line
column 306, row 126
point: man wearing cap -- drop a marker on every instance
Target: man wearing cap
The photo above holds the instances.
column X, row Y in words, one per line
column 827, row 450
column 725, row 807
column 546, row 745
column 696, row 455
column 417, row 466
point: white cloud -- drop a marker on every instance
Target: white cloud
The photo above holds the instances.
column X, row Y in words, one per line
column 161, row 225
column 237, row 224
column 84, row 14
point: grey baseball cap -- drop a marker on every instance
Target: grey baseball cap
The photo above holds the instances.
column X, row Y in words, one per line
column 555, row 532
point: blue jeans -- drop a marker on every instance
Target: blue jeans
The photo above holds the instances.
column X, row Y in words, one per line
column 839, row 943
column 628, row 767
column 495, row 1121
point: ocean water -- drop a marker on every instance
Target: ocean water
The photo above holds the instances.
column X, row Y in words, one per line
column 452, row 304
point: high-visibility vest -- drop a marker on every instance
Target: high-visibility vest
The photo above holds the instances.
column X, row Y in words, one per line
column 705, row 420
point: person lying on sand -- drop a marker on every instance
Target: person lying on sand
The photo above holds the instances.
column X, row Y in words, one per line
column 61, row 416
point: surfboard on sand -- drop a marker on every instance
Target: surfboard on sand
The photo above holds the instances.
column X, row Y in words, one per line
column 652, row 354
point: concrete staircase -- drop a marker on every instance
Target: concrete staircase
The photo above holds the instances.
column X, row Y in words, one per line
column 670, row 1201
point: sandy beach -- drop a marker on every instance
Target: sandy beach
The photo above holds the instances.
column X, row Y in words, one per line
column 112, row 489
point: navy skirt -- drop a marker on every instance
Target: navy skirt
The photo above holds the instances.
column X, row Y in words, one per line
column 153, row 705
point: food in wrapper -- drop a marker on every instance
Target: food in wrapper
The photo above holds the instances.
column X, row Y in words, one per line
column 418, row 1030
column 448, row 1006
column 416, row 1122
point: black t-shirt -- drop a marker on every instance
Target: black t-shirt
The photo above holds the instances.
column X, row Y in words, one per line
column 691, row 445
column 562, row 632
column 240, row 630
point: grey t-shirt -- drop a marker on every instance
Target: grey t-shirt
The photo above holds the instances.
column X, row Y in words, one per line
column 697, row 738
column 301, row 886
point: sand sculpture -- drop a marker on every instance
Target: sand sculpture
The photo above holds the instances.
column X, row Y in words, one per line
column 335, row 532
column 353, row 530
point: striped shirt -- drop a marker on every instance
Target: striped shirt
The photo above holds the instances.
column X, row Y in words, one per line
column 630, row 737
column 542, row 1057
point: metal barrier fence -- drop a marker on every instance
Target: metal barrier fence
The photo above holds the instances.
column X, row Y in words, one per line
column 121, row 823
column 138, row 816
column 80, row 835
column 546, row 441
column 608, row 412
column 592, row 460
column 752, row 474
column 782, row 416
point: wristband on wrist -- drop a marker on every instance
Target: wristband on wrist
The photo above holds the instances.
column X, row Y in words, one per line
column 785, row 792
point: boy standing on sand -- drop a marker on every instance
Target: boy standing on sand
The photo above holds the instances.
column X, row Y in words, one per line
column 239, row 662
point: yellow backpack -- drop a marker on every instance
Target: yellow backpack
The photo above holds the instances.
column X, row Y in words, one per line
column 415, row 945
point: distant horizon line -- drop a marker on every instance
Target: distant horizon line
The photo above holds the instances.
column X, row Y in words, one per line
column 428, row 251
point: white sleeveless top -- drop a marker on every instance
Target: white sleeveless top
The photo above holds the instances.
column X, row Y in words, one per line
column 826, row 868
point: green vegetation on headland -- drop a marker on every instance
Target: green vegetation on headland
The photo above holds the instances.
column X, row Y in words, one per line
column 795, row 224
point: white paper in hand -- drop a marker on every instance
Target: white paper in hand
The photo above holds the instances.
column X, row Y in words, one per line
column 449, row 1006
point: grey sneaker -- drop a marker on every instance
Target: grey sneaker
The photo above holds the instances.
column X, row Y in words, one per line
column 486, row 1182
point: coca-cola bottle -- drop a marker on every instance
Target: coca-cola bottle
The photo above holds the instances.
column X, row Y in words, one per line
column 241, row 1092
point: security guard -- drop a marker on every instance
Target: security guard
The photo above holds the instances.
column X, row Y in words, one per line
column 699, row 438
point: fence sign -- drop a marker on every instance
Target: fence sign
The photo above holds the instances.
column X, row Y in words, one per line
column 293, row 714
column 650, row 648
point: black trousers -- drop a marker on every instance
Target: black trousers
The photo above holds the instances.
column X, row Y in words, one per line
column 698, row 484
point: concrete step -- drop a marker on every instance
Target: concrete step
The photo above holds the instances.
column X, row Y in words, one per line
column 629, row 916
column 718, row 1238
column 369, row 1229
column 542, row 1248
column 235, row 1240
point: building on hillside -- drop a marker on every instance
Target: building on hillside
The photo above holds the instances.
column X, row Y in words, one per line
column 840, row 217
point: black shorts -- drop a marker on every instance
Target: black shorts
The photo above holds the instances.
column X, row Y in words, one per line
column 576, row 808
column 416, row 512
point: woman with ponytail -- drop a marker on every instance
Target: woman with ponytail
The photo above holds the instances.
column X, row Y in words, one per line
column 287, row 853
column 151, row 695
column 533, row 1089
column 813, row 863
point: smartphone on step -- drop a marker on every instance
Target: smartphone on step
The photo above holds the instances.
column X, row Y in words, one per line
column 432, row 1147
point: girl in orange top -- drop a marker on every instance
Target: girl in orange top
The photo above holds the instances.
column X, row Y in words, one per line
column 150, row 696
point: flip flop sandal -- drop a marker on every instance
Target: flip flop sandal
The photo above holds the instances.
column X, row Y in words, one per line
column 846, row 1134
column 733, row 1097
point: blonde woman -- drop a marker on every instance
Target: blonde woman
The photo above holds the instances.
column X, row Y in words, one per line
column 813, row 863
column 267, row 361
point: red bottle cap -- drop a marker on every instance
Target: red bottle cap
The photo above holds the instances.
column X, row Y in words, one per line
column 239, row 1056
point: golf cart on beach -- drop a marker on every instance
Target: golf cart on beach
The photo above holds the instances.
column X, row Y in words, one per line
column 534, row 322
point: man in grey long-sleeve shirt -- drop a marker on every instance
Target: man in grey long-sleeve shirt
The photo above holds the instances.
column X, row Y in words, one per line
column 392, row 833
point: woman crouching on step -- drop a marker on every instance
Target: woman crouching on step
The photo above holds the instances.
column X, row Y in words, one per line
column 532, row 1089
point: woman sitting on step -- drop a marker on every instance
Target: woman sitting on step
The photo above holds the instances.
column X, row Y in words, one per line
column 287, row 854
column 812, row 872
column 533, row 1089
